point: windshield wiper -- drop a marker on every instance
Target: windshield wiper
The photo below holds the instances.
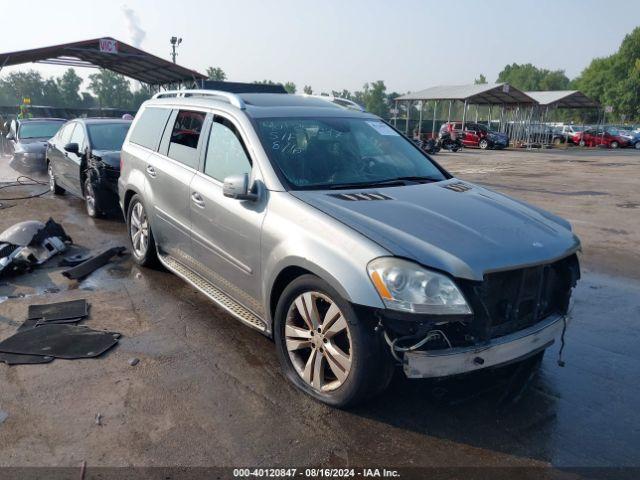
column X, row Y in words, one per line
column 389, row 182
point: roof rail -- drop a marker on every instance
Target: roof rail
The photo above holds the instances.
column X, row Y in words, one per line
column 342, row 102
column 232, row 98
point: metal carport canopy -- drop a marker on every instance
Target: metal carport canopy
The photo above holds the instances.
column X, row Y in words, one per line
column 563, row 99
column 485, row 94
column 107, row 53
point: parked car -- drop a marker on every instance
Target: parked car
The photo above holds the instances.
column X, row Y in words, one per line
column 635, row 141
column 477, row 135
column 84, row 160
column 606, row 137
column 328, row 230
column 28, row 138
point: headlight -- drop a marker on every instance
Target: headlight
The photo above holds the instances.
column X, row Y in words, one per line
column 406, row 286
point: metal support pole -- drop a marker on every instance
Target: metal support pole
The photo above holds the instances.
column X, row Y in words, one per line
column 395, row 115
column 489, row 118
column 477, row 113
column 406, row 127
column 433, row 124
column 464, row 114
column 449, row 115
column 420, row 120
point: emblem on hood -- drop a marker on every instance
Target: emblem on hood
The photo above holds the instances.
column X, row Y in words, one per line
column 537, row 244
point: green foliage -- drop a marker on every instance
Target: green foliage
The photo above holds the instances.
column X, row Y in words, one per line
column 308, row 90
column 69, row 87
column 216, row 73
column 290, row 87
column 481, row 80
column 615, row 80
column 529, row 77
column 374, row 98
column 110, row 88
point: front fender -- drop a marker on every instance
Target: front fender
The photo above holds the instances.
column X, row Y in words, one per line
column 297, row 235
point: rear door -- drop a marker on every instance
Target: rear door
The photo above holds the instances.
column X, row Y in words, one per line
column 169, row 173
column 226, row 231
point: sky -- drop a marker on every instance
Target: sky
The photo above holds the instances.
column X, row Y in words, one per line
column 331, row 44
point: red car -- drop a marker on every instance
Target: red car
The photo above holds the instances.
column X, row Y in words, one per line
column 608, row 137
column 477, row 135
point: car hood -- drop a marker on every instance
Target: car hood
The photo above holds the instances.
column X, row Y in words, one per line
column 108, row 157
column 457, row 227
column 32, row 145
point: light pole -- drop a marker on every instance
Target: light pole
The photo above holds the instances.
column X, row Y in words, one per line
column 175, row 42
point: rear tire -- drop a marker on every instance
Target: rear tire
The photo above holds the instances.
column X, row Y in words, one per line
column 582, row 143
column 143, row 245
column 614, row 144
column 637, row 146
column 340, row 369
column 53, row 186
column 483, row 144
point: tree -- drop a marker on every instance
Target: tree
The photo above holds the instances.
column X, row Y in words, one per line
column 308, row 90
column 374, row 98
column 615, row 80
column 290, row 87
column 481, row 80
column 29, row 84
column 112, row 89
column 216, row 73
column 529, row 77
column 69, row 88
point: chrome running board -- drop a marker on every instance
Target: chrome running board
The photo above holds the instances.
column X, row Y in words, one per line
column 214, row 293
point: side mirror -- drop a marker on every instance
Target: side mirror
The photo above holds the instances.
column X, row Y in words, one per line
column 72, row 148
column 237, row 186
column 10, row 136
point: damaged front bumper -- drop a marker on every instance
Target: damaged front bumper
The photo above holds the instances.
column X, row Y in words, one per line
column 498, row 351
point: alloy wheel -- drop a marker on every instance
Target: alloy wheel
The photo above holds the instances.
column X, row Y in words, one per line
column 483, row 144
column 52, row 180
column 318, row 341
column 614, row 145
column 90, row 198
column 139, row 230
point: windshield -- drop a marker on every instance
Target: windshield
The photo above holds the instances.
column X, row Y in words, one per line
column 342, row 152
column 107, row 136
column 39, row 129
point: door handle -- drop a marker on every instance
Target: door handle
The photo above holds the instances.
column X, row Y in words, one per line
column 151, row 171
column 197, row 199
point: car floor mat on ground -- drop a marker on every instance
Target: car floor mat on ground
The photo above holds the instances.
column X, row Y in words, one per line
column 85, row 268
column 73, row 260
column 60, row 341
column 28, row 324
column 19, row 359
column 74, row 309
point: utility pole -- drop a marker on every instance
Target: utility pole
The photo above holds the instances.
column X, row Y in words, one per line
column 175, row 42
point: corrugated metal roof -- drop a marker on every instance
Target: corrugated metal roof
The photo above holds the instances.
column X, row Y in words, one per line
column 127, row 60
column 563, row 99
column 496, row 93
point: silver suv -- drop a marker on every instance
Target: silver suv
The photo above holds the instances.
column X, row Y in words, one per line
column 321, row 226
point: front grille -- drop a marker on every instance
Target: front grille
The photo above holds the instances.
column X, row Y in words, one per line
column 509, row 301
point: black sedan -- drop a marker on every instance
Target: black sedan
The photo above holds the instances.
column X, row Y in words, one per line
column 84, row 159
column 28, row 138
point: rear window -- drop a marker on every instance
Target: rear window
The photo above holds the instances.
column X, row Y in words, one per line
column 149, row 128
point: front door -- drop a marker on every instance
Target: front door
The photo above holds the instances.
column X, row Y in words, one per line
column 225, row 231
column 169, row 173
column 72, row 162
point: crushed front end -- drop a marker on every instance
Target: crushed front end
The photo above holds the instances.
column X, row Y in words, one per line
column 515, row 314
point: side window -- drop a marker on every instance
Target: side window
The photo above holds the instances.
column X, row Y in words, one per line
column 150, row 127
column 226, row 154
column 78, row 136
column 185, row 134
column 65, row 133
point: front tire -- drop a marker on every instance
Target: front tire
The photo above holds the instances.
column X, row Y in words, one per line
column 637, row 146
column 483, row 144
column 143, row 245
column 53, row 186
column 90, row 200
column 614, row 144
column 324, row 349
